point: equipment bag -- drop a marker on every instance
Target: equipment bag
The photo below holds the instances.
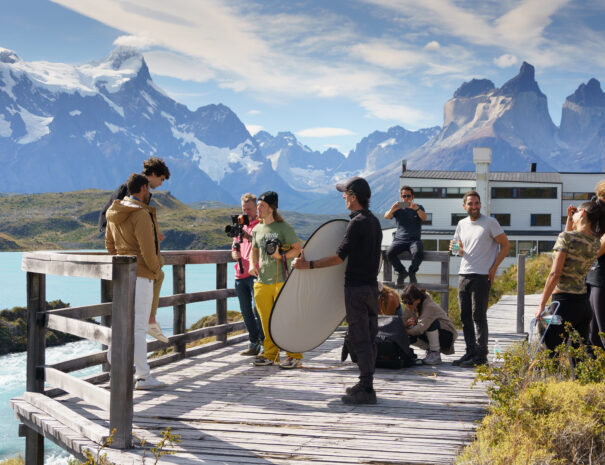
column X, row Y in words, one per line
column 392, row 345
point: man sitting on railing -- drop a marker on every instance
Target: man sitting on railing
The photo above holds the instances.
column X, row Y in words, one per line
column 132, row 230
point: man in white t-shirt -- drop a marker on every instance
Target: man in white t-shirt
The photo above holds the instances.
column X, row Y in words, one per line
column 483, row 246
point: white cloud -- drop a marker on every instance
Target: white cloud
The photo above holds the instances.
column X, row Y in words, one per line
column 254, row 112
column 432, row 45
column 383, row 108
column 505, row 61
column 324, row 132
column 254, row 128
column 138, row 42
column 166, row 63
column 380, row 53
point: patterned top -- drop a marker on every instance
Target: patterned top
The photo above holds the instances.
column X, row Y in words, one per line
column 581, row 253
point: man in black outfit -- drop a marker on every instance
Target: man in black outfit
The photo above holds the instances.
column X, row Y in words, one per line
column 361, row 244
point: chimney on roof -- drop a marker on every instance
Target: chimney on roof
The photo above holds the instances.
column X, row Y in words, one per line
column 404, row 164
column 482, row 157
column 532, row 168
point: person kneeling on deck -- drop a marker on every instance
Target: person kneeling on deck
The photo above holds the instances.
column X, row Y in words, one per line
column 427, row 324
column 132, row 230
column 274, row 243
column 361, row 245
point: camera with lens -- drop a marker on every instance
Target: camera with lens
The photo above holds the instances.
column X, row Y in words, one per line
column 237, row 228
column 273, row 245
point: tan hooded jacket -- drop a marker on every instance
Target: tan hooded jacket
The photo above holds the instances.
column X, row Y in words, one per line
column 132, row 230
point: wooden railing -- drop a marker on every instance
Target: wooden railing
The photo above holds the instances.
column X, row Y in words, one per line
column 443, row 287
column 118, row 276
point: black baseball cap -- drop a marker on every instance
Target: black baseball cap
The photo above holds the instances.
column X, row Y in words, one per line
column 270, row 197
column 358, row 185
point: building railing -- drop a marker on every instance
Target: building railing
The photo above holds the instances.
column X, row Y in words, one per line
column 118, row 276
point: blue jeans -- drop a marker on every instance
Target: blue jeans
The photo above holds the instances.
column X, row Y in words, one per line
column 245, row 293
column 398, row 246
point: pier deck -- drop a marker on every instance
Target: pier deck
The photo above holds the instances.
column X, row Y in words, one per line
column 228, row 411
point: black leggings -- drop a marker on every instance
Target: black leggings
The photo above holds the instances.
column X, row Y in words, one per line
column 574, row 308
column 597, row 325
column 445, row 337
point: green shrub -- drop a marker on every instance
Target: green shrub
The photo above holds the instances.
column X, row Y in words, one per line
column 13, row 461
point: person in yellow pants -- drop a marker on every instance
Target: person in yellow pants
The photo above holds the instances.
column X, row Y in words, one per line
column 271, row 238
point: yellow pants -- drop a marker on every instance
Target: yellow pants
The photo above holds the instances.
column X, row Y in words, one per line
column 264, row 296
column 157, row 286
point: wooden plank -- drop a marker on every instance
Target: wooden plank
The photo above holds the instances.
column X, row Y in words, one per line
column 179, row 315
column 122, row 354
column 84, row 312
column 78, row 387
column 85, row 329
column 79, row 363
column 221, row 304
column 68, row 417
column 193, row 297
column 193, row 257
column 36, row 347
column 85, row 270
column 76, row 257
column 196, row 335
column 106, row 297
column 429, row 256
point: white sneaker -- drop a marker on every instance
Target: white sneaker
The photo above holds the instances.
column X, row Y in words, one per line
column 432, row 358
column 154, row 330
column 290, row 363
column 149, row 383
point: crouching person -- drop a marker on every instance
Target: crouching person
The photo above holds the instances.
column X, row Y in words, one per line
column 132, row 230
column 427, row 324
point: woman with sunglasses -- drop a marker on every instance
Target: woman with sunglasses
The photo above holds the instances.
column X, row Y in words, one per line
column 575, row 251
column 427, row 324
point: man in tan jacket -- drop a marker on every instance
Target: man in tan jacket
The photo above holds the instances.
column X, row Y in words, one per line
column 132, row 230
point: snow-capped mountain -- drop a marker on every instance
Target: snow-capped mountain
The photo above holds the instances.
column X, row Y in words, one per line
column 68, row 127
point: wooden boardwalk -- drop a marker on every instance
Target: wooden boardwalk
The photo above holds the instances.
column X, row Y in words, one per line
column 229, row 412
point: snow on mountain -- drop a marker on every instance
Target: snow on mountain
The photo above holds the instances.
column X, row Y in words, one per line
column 68, row 127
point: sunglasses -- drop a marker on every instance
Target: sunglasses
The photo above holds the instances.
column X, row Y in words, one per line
column 406, row 196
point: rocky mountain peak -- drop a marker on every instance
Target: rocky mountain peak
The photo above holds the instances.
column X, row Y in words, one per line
column 473, row 88
column 523, row 82
column 8, row 56
column 588, row 95
column 125, row 57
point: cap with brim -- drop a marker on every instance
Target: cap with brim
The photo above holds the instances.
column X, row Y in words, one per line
column 269, row 197
column 358, row 185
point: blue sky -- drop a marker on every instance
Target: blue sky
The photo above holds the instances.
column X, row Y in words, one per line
column 330, row 71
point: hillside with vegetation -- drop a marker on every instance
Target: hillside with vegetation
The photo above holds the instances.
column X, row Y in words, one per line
column 68, row 221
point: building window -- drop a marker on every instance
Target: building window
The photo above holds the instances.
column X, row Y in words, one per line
column 567, row 196
column 564, row 219
column 524, row 192
column 457, row 217
column 441, row 192
column 444, row 245
column 545, row 246
column 512, row 252
column 503, row 218
column 429, row 219
column 430, row 245
column 540, row 219
column 577, row 195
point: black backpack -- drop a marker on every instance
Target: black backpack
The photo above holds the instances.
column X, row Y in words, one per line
column 392, row 345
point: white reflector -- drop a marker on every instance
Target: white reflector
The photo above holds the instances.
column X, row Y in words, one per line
column 311, row 303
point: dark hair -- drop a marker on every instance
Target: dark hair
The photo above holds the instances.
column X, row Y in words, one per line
column 363, row 201
column 595, row 214
column 406, row 188
column 156, row 166
column 136, row 182
column 410, row 293
column 470, row 194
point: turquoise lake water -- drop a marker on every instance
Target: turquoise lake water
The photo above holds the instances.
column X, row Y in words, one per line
column 77, row 292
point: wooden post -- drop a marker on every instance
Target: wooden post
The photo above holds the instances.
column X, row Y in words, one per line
column 106, row 296
column 521, row 293
column 221, row 304
column 122, row 350
column 387, row 268
column 36, row 345
column 179, row 315
column 445, row 279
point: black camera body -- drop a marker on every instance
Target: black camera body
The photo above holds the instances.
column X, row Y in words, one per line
column 237, row 228
column 273, row 245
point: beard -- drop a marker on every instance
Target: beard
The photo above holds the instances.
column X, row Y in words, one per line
column 474, row 214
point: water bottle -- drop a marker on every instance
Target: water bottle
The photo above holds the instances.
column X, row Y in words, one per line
column 456, row 248
column 497, row 350
column 553, row 319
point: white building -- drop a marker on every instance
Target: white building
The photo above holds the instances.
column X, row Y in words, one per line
column 530, row 206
